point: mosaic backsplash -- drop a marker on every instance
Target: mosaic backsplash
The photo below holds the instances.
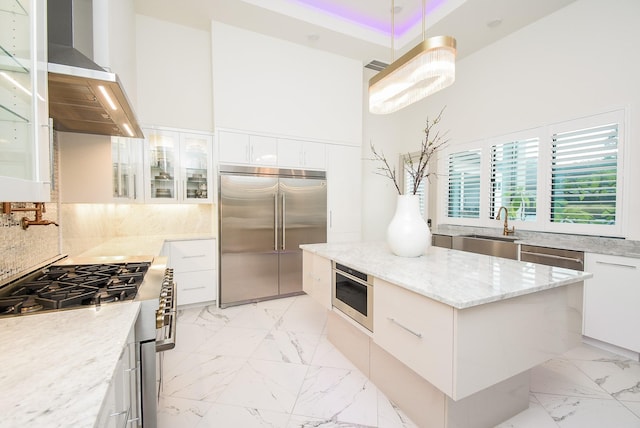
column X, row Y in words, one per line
column 21, row 250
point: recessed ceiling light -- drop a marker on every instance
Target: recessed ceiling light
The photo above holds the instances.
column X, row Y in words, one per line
column 396, row 10
column 312, row 38
column 494, row 23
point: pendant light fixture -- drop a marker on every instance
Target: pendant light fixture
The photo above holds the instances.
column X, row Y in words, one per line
column 427, row 68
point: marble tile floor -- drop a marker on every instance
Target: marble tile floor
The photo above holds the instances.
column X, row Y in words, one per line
column 270, row 365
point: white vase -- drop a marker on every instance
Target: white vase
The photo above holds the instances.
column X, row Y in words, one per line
column 408, row 234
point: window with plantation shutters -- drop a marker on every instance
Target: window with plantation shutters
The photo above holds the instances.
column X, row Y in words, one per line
column 464, row 184
column 584, row 172
column 514, row 178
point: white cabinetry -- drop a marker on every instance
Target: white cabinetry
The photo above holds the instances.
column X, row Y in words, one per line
column 120, row 406
column 100, row 169
column 301, row 154
column 178, row 166
column 344, row 193
column 25, row 173
column 611, row 300
column 316, row 280
column 241, row 148
column 194, row 269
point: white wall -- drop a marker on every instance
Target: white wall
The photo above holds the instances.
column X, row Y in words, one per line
column 268, row 85
column 174, row 75
column 579, row 61
column 114, row 47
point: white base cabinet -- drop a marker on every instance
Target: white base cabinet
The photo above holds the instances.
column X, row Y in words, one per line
column 120, row 406
column 194, row 269
column 611, row 300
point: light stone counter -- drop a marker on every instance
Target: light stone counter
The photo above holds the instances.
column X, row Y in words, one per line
column 56, row 367
column 137, row 245
column 456, row 278
column 588, row 244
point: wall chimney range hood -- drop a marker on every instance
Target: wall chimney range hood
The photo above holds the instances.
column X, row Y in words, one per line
column 83, row 97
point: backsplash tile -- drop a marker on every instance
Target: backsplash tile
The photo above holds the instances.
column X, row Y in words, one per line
column 21, row 250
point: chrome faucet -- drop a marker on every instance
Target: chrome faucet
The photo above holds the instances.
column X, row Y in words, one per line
column 505, row 231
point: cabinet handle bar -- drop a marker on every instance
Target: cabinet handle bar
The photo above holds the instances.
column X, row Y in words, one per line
column 419, row 335
column 615, row 264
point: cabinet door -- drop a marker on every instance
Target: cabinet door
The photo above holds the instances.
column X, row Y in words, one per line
column 162, row 160
column 263, row 150
column 127, row 173
column 233, row 147
column 24, row 128
column 290, row 153
column 344, row 184
column 611, row 300
column 314, row 156
column 316, row 278
column 195, row 160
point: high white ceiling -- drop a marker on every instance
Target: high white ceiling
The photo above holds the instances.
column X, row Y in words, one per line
column 360, row 29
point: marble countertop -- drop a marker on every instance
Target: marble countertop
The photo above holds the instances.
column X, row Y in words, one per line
column 50, row 374
column 456, row 278
column 588, row 244
column 137, row 245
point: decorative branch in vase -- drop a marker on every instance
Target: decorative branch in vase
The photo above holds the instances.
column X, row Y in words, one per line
column 416, row 164
column 408, row 235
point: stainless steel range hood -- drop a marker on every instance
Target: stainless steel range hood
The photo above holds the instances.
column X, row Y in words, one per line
column 83, row 97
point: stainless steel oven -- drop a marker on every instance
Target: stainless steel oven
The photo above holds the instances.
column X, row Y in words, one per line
column 352, row 293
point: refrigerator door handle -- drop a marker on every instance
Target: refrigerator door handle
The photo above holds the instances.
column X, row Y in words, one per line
column 275, row 222
column 284, row 225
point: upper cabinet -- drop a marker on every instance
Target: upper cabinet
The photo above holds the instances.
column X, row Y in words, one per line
column 301, row 154
column 178, row 166
column 25, row 172
column 240, row 148
column 126, row 161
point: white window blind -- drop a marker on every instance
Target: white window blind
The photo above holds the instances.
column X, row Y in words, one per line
column 584, row 175
column 514, row 178
column 464, row 184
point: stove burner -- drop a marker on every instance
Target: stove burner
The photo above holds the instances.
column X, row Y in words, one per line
column 31, row 308
column 65, row 286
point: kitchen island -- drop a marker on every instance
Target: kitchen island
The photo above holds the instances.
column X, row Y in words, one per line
column 454, row 334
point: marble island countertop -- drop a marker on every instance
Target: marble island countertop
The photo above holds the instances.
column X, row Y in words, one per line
column 456, row 278
column 57, row 366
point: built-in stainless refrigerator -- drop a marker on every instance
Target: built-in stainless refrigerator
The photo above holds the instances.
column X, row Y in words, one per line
column 264, row 215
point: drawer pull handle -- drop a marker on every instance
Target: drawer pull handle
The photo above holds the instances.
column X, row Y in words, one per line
column 419, row 335
column 615, row 264
column 195, row 256
column 552, row 256
column 193, row 288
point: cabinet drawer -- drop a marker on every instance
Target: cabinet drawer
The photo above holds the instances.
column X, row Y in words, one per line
column 416, row 330
column 189, row 256
column 611, row 300
column 196, row 287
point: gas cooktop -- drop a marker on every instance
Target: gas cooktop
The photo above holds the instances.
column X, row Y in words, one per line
column 68, row 286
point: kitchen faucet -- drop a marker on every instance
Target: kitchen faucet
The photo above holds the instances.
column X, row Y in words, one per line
column 505, row 231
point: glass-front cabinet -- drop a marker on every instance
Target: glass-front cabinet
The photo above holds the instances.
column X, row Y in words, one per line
column 126, row 157
column 178, row 166
column 24, row 129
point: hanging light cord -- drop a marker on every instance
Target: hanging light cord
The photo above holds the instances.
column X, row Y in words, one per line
column 393, row 29
column 424, row 14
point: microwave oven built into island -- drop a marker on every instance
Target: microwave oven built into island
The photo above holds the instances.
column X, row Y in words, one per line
column 352, row 294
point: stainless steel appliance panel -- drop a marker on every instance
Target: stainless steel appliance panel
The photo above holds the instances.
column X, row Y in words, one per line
column 264, row 215
column 303, row 210
column 569, row 259
column 249, row 240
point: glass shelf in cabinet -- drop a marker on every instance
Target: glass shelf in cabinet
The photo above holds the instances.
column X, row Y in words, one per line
column 13, row 6
column 8, row 115
column 9, row 62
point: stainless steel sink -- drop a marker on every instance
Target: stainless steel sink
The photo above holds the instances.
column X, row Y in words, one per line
column 499, row 246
